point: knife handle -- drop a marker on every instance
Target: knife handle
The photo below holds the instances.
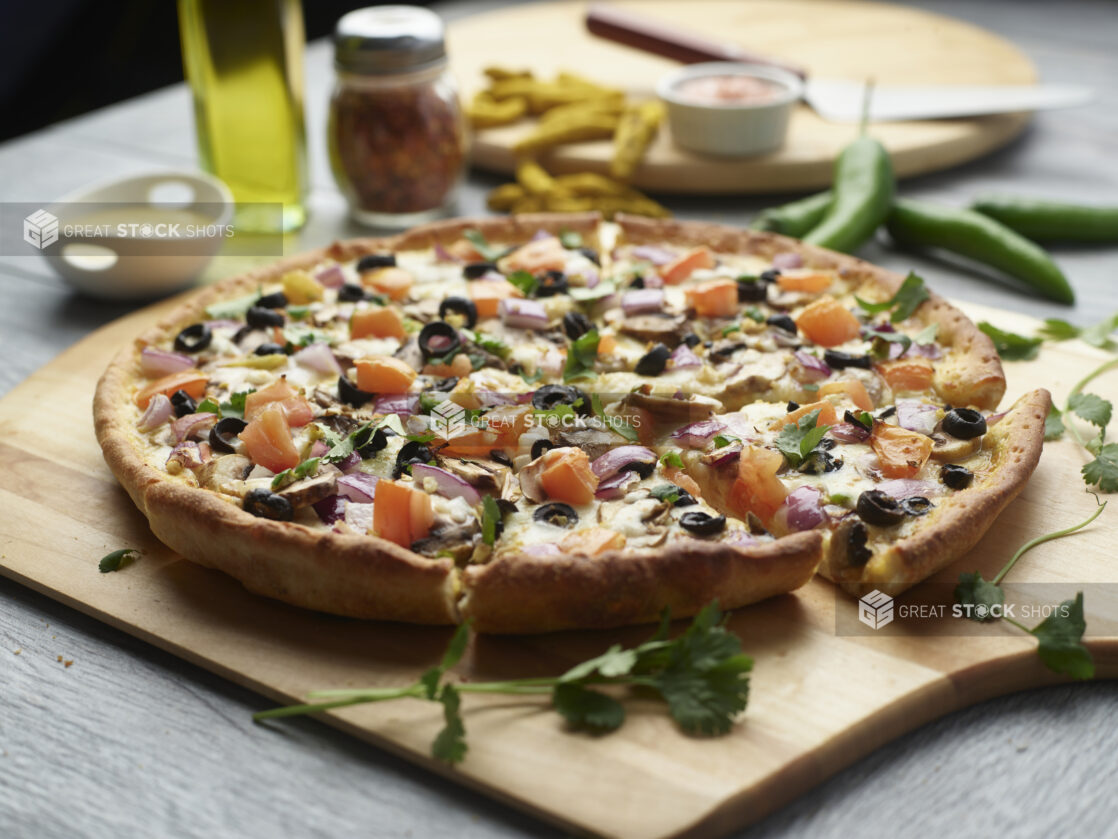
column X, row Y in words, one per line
column 640, row 33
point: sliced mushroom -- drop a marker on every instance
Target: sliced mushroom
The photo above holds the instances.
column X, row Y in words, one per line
column 666, row 409
column 656, row 328
column 341, row 424
column 457, row 540
column 311, row 490
column 487, row 475
column 225, row 473
column 411, row 354
column 594, row 441
column 948, row 449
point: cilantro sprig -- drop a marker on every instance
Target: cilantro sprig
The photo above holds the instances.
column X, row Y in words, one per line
column 1102, row 471
column 906, row 301
column 702, row 675
column 235, row 407
column 1060, row 635
column 1011, row 346
column 798, row 441
column 581, row 355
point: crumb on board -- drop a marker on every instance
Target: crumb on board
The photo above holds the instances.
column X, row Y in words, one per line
column 66, row 662
column 17, row 652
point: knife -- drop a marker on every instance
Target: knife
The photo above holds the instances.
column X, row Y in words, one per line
column 839, row 100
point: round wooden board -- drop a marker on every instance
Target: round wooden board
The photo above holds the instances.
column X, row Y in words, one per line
column 830, row 38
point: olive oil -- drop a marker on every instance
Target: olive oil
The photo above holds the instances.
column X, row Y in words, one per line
column 244, row 62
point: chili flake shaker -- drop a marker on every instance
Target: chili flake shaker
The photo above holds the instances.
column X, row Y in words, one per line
column 397, row 135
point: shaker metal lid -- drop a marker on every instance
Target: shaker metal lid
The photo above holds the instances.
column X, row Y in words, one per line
column 389, row 39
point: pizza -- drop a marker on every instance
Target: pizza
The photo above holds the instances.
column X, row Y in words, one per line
column 550, row 421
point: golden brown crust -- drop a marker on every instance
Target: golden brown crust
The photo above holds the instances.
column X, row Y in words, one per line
column 527, row 594
column 970, row 374
column 1014, row 444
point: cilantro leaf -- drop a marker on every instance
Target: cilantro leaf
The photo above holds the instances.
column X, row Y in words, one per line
column 208, row 406
column 1098, row 335
column 117, row 560
column 616, row 424
column 449, row 745
column 581, row 355
column 907, row 299
column 492, row 344
column 672, row 457
column 482, row 246
column 453, row 654
column 1055, row 329
column 570, row 239
column 722, row 440
column 344, row 448
column 755, row 314
column 927, row 335
column 1060, row 640
column 1103, row 470
column 525, row 282
column 613, row 662
column 1053, row 424
column 665, row 492
column 232, row 309
column 586, row 708
column 235, row 407
column 883, row 338
column 490, row 518
column 980, row 594
column 1011, row 346
column 1094, row 409
column 797, row 441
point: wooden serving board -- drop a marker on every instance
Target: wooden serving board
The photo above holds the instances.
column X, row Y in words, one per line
column 830, row 38
column 819, row 699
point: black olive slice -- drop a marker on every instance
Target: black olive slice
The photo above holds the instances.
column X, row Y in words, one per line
column 854, row 419
column 556, row 513
column 445, row 385
column 350, row 293
column 576, row 324
column 591, row 254
column 702, row 523
column 637, row 282
column 350, row 394
column 875, row 507
column 653, row 362
column 268, row 505
column 856, row 551
column 841, row 360
column 692, row 340
column 888, row 412
column 275, row 300
column 411, row 452
column 540, row 446
column 459, row 306
column 376, row 260
column 269, row 348
column 474, row 270
column 549, row 397
column 917, row 505
column 260, row 318
column 640, row 467
column 500, row 457
column 550, row 283
column 955, row 476
column 782, row 322
column 770, row 275
column 792, row 406
column 438, row 339
column 183, row 403
column 964, row 423
column 369, row 441
column 684, row 498
column 820, row 462
column 224, row 433
column 194, row 338
column 752, row 290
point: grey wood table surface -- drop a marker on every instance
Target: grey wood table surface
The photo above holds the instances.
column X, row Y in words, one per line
column 130, row 741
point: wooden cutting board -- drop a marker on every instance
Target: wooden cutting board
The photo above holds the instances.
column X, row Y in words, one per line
column 820, row 699
column 830, row 38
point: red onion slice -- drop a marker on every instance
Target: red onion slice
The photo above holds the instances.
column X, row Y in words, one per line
column 331, row 276
column 192, row 424
column 330, row 509
column 358, row 486
column 188, row 455
column 616, row 486
column 443, row 255
column 403, row 404
column 351, row 462
column 848, row 432
column 683, row 356
column 697, row 434
column 906, row 488
column 319, row 358
column 803, row 509
column 917, row 416
column 319, row 448
column 447, row 483
column 159, row 410
column 653, row 254
column 523, row 314
column 155, row 363
column 612, row 461
column 815, row 367
column 788, row 261
column 540, row 235
column 642, row 300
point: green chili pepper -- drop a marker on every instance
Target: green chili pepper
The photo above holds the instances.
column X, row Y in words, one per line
column 971, row 234
column 863, row 189
column 1046, row 221
column 797, row 218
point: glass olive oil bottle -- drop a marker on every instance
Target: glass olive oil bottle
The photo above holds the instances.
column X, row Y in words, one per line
column 244, row 62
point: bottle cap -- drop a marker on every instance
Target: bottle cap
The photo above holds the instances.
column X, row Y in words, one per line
column 382, row 40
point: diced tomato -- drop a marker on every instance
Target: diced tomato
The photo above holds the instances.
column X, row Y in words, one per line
column 401, row 513
column 538, row 256
column 380, row 322
column 827, row 415
column 811, row 282
column 487, row 294
column 592, row 541
column 508, row 422
column 384, row 374
column 900, row 452
column 395, row 282
column 676, row 272
column 471, row 443
column 192, row 381
column 459, row 366
column 828, row 323
column 464, row 250
column 853, row 388
column 295, row 406
column 566, row 476
column 607, row 343
column 907, row 375
column 757, row 489
column 714, row 298
column 267, row 439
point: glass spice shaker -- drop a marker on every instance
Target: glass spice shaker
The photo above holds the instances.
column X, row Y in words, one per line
column 397, row 135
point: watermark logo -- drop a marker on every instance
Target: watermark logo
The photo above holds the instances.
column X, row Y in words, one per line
column 448, row 419
column 875, row 609
column 40, row 229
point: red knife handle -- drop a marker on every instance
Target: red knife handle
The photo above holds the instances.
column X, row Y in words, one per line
column 633, row 31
